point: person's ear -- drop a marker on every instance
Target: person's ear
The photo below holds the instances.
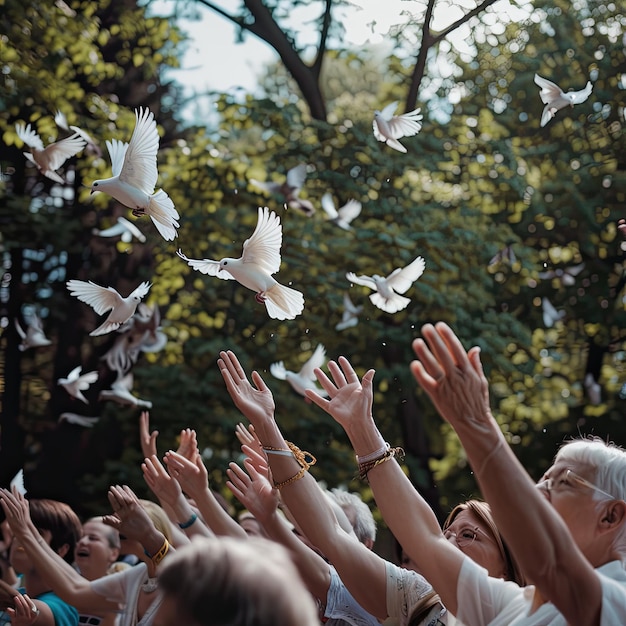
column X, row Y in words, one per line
column 614, row 515
column 115, row 554
column 63, row 550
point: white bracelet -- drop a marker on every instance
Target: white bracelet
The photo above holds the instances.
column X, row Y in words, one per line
column 278, row 452
column 373, row 455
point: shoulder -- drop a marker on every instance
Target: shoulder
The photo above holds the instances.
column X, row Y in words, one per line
column 613, row 581
column 64, row 614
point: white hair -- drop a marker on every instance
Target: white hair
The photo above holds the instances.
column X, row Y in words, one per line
column 358, row 513
column 607, row 463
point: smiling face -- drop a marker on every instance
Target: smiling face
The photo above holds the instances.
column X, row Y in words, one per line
column 94, row 553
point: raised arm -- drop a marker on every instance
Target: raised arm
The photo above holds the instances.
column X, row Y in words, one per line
column 65, row 581
column 361, row 570
column 194, row 480
column 407, row 514
column 255, row 492
column 535, row 533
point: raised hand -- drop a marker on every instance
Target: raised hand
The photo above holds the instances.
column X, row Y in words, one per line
column 253, row 490
column 147, row 438
column 17, row 512
column 25, row 611
column 453, row 378
column 350, row 399
column 256, row 403
column 191, row 475
column 129, row 517
column 188, row 446
column 248, row 437
column 162, row 485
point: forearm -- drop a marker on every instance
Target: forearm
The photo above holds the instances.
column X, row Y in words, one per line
column 218, row 520
column 311, row 566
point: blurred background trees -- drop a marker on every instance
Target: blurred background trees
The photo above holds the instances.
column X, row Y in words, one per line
column 482, row 177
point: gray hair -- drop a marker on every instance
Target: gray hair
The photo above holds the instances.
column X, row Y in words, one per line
column 358, row 513
column 607, row 463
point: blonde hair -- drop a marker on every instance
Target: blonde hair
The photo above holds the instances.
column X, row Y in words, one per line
column 159, row 518
column 482, row 511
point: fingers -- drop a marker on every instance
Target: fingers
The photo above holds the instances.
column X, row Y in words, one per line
column 337, row 374
column 348, row 370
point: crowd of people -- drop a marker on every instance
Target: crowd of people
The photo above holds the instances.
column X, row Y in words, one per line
column 546, row 554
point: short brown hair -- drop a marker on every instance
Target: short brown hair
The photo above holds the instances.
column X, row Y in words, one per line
column 60, row 520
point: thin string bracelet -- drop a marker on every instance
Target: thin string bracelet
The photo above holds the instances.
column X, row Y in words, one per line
column 365, row 468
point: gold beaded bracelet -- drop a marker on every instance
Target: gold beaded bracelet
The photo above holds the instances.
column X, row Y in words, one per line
column 160, row 555
column 365, row 468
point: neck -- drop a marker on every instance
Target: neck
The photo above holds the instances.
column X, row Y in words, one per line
column 34, row 584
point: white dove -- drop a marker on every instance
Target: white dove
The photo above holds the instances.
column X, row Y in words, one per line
column 135, row 174
column 350, row 317
column 61, row 121
column 120, row 392
column 550, row 314
column 290, row 189
column 593, row 389
column 343, row 216
column 555, row 98
column 124, row 228
column 387, row 289
column 76, row 383
column 80, row 420
column 504, row 255
column 141, row 333
column 566, row 276
column 259, row 260
column 305, row 378
column 104, row 299
column 51, row 158
column 18, row 482
column 34, row 336
column 388, row 127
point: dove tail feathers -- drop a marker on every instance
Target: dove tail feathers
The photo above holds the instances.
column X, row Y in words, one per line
column 164, row 215
column 390, row 305
column 395, row 144
column 283, row 303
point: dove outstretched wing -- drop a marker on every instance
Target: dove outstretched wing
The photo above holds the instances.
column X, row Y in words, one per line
column 549, row 90
column 277, row 370
column 316, row 360
column 402, row 278
column 57, row 153
column 117, row 151
column 206, row 266
column 329, row 206
column 350, row 210
column 102, row 299
column 140, row 163
column 296, row 176
column 263, row 247
column 140, row 291
column 29, row 136
column 405, row 125
column 364, row 281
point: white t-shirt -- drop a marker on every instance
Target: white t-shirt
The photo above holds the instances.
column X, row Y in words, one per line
column 123, row 588
column 406, row 590
column 486, row 601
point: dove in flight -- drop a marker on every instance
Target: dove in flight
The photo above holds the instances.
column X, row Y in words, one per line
column 305, row 378
column 134, row 167
column 387, row 289
column 343, row 216
column 76, row 383
column 593, row 389
column 259, row 260
column 53, row 156
column 79, row 420
column 290, row 189
column 104, row 299
column 92, row 146
column 141, row 333
column 34, row 336
column 566, row 276
column 388, row 127
column 120, row 392
column 124, row 229
column 550, row 314
column 555, row 98
column 350, row 317
column 18, row 482
column 504, row 255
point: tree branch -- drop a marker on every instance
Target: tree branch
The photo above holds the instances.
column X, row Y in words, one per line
column 321, row 50
column 430, row 39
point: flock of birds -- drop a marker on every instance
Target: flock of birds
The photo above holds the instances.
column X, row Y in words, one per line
column 133, row 181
